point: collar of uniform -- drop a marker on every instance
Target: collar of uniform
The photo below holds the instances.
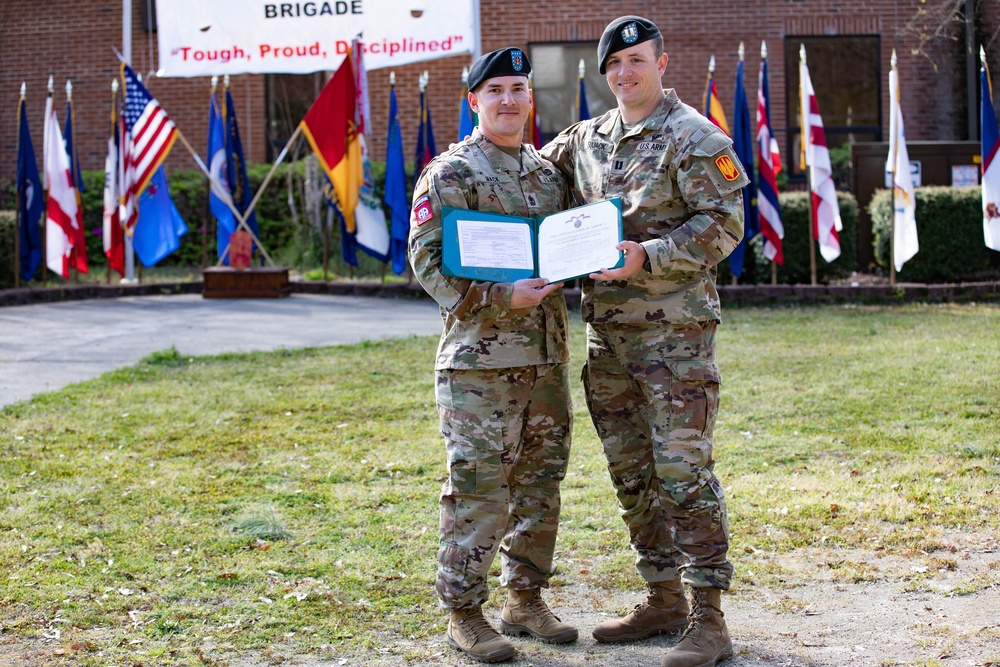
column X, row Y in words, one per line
column 529, row 157
column 653, row 121
column 493, row 154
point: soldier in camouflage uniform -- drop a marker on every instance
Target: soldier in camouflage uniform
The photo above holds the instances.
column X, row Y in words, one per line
column 502, row 385
column 651, row 379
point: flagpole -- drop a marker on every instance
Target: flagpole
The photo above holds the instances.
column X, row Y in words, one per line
column 45, row 224
column 806, row 132
column 763, row 57
column 232, row 207
column 114, row 130
column 740, row 52
column 893, row 94
column 708, row 82
column 274, row 167
column 17, row 197
column 73, row 162
column 208, row 200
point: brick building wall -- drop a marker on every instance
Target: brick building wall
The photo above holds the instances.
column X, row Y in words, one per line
column 74, row 40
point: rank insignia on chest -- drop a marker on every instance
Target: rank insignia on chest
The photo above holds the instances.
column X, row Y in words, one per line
column 422, row 210
column 617, row 166
column 727, row 168
column 532, row 199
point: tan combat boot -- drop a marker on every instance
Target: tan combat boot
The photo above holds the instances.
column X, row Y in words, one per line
column 706, row 639
column 665, row 611
column 526, row 612
column 470, row 632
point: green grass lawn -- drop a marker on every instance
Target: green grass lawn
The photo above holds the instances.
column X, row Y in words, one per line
column 248, row 497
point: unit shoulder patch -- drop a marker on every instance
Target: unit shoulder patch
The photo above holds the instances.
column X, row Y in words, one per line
column 728, row 169
column 422, row 211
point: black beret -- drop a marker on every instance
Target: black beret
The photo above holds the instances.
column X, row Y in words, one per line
column 622, row 33
column 503, row 62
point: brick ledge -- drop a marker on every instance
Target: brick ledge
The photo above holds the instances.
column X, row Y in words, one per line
column 731, row 295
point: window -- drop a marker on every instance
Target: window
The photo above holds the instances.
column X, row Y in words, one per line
column 289, row 97
column 555, row 80
column 846, row 75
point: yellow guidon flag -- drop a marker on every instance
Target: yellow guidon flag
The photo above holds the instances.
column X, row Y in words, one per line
column 713, row 107
column 331, row 127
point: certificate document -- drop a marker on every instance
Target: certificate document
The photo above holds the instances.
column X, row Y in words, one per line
column 558, row 247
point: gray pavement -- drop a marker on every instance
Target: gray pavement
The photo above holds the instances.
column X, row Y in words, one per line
column 45, row 347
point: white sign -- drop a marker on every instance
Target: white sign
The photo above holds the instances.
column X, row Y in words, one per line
column 215, row 37
column 915, row 173
column 964, row 175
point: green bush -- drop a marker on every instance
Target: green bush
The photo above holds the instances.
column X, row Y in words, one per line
column 8, row 227
column 795, row 219
column 949, row 230
column 298, row 244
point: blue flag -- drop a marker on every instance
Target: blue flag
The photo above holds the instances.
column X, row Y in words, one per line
column 991, row 164
column 426, row 149
column 239, row 182
column 395, row 189
column 465, row 122
column 78, row 257
column 29, row 191
column 74, row 162
column 581, row 101
column 348, row 242
column 160, row 227
column 219, row 194
column 743, row 144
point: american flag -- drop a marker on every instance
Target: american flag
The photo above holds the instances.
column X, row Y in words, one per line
column 149, row 136
column 769, row 164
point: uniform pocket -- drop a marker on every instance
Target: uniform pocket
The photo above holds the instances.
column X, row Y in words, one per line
column 694, row 399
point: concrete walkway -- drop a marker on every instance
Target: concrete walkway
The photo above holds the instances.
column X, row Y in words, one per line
column 48, row 346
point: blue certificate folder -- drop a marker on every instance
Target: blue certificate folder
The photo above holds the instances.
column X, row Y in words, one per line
column 503, row 248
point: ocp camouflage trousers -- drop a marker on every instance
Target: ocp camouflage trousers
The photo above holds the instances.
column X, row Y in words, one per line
column 653, row 394
column 507, row 434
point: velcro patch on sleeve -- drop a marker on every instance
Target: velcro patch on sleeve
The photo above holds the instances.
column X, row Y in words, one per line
column 422, row 210
column 729, row 170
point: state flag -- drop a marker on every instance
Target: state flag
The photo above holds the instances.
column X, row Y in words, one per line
column 825, row 208
column 331, row 128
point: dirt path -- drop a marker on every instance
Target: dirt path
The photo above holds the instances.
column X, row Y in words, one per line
column 913, row 614
column 929, row 610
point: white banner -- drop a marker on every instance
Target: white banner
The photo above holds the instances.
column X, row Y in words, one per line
column 209, row 37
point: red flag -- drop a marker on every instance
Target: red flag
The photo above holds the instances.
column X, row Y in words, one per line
column 113, row 237
column 768, row 166
column 78, row 258
column 330, row 127
column 149, row 136
column 534, row 133
column 61, row 209
column 825, row 209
